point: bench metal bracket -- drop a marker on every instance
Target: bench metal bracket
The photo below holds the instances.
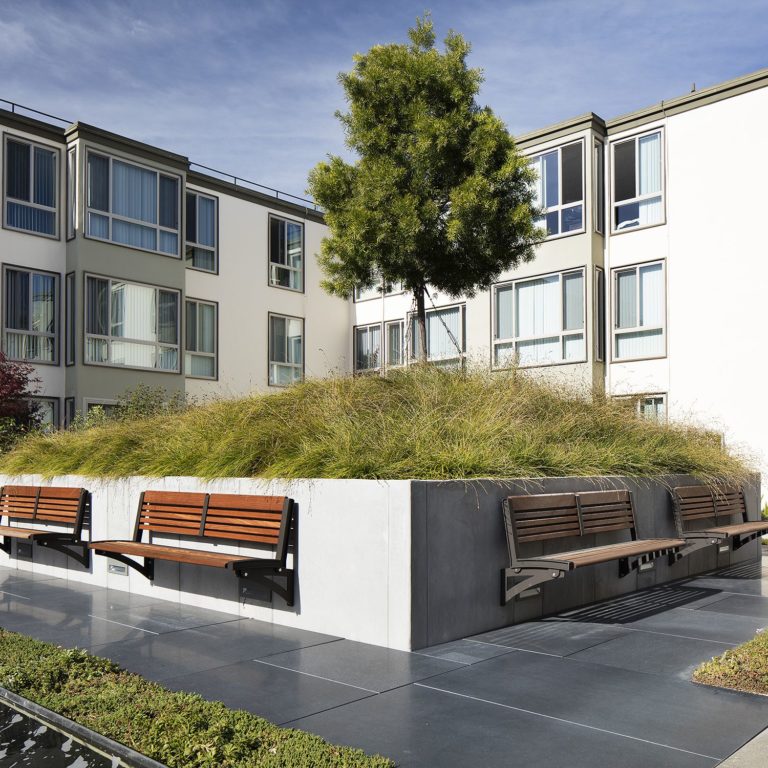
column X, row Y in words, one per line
column 6, row 545
column 265, row 578
column 530, row 578
column 693, row 544
column 77, row 550
column 147, row 570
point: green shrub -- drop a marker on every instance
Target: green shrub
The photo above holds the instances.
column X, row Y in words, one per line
column 744, row 668
column 422, row 422
column 181, row 730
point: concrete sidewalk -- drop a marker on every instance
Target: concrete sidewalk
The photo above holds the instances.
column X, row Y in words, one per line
column 607, row 685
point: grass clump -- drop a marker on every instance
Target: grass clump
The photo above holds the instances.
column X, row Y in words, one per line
column 422, row 422
column 744, row 668
column 180, row 730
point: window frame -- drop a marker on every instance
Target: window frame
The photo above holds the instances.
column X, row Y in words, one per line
column 6, row 136
column 561, row 334
column 72, row 192
column 215, row 249
column 600, row 315
column 109, row 338
column 637, row 401
column 403, row 345
column 55, row 402
column 367, row 371
column 270, row 362
column 639, row 198
column 635, row 329
column 215, row 353
column 301, row 271
column 87, row 210
column 409, row 347
column 598, row 186
column 559, row 207
column 70, row 319
column 56, row 311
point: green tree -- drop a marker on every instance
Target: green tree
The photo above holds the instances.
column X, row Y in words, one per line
column 438, row 195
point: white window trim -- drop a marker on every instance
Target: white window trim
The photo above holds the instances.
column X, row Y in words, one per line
column 270, row 362
column 215, row 353
column 560, row 206
column 368, row 328
column 562, row 334
column 274, row 265
column 38, row 334
column 639, row 198
column 615, row 331
column 56, row 173
column 410, row 347
column 109, row 338
column 215, row 249
column 385, row 343
column 111, row 216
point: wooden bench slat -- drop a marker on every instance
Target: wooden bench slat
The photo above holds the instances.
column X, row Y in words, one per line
column 174, row 497
column 176, row 554
column 248, row 524
column 235, row 501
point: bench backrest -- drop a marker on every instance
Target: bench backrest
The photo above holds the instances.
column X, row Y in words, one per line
column 698, row 502
column 229, row 516
column 563, row 515
column 46, row 504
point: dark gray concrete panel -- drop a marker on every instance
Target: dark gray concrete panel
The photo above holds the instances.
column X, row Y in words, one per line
column 420, row 727
column 279, row 695
column 468, row 651
column 704, row 625
column 367, row 666
column 652, row 652
column 664, row 711
column 162, row 616
column 158, row 657
column 740, row 605
column 559, row 638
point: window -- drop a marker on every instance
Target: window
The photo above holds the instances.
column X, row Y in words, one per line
column 376, row 291
column 200, row 341
column 639, row 300
column 540, row 321
column 31, row 316
column 445, row 336
column 600, row 314
column 69, row 331
column 131, row 205
column 395, row 349
column 69, row 411
column 200, row 247
column 286, row 350
column 47, row 412
column 653, row 407
column 71, row 192
column 560, row 189
column 368, row 348
column 637, row 182
column 286, row 254
column 131, row 325
column 30, row 187
column 598, row 187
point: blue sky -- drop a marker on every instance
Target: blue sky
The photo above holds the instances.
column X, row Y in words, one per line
column 250, row 87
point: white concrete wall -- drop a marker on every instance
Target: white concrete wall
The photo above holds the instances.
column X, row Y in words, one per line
column 354, row 554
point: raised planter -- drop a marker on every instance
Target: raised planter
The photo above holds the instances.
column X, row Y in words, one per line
column 402, row 563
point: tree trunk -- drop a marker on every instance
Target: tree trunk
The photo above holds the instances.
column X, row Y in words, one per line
column 421, row 319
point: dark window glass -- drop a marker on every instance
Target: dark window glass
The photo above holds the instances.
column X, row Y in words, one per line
column 572, row 184
column 169, row 205
column 17, row 174
column 98, row 182
column 600, row 315
column 17, row 300
column 168, row 329
column 191, row 340
column 191, row 218
column 45, row 177
column 98, row 306
column 624, row 170
column 277, row 241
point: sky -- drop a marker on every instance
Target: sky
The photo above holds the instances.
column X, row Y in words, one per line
column 250, row 87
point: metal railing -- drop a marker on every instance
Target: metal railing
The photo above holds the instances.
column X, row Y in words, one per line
column 236, row 180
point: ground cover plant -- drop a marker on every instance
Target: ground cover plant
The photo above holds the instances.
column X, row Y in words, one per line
column 744, row 668
column 421, row 422
column 180, row 730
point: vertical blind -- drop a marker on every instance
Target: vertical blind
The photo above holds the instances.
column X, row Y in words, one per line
column 640, row 306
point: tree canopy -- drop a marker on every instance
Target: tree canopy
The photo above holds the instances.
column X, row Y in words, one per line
column 438, row 195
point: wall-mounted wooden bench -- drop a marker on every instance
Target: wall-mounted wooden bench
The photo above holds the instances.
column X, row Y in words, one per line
column 210, row 519
column 41, row 505
column 693, row 503
column 529, row 520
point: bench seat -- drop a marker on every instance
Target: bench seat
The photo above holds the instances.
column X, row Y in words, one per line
column 20, row 533
column 578, row 558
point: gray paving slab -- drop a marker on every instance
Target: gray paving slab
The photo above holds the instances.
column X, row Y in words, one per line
column 704, row 625
column 559, row 638
column 467, row 651
column 740, row 605
column 367, row 666
column 419, row 726
column 279, row 695
column 159, row 657
column 654, row 653
column 735, row 586
column 661, row 710
column 754, row 754
column 161, row 616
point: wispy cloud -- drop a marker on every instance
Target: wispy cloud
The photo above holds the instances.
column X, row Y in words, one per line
column 250, row 87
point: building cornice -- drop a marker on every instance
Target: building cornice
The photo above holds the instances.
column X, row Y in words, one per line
column 587, row 122
column 18, row 122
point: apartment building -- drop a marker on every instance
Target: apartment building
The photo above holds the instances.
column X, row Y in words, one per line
column 123, row 263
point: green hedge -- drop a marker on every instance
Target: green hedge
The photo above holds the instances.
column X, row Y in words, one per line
column 181, row 730
column 744, row 668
